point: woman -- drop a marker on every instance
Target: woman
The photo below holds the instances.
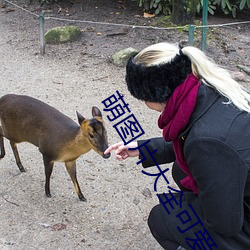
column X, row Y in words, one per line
column 205, row 118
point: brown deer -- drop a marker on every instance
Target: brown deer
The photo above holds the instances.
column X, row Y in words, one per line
column 59, row 138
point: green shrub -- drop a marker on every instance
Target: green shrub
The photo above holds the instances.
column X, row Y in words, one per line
column 157, row 6
column 165, row 6
column 232, row 6
column 211, row 7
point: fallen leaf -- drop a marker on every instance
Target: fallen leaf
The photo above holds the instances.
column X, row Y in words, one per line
column 147, row 15
column 58, row 227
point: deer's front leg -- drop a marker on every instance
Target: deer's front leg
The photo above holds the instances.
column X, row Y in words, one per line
column 71, row 168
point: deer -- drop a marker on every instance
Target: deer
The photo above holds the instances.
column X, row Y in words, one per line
column 58, row 138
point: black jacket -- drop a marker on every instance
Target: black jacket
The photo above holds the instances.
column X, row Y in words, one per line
column 216, row 145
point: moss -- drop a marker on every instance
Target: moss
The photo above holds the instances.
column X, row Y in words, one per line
column 121, row 58
column 63, row 34
column 163, row 22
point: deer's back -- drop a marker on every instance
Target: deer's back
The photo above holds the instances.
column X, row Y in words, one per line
column 24, row 118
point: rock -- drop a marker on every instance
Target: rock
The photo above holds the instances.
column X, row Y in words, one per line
column 146, row 192
column 136, row 201
column 45, row 225
column 2, row 3
column 239, row 76
column 63, row 34
column 120, row 58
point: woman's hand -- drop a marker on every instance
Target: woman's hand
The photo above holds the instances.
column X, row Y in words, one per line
column 121, row 150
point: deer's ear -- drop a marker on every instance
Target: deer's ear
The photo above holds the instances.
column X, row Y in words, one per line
column 96, row 111
column 80, row 118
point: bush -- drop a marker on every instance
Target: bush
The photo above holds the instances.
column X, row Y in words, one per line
column 165, row 6
column 156, row 6
column 232, row 6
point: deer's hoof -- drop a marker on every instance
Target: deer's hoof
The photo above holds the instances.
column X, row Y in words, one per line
column 82, row 198
column 48, row 195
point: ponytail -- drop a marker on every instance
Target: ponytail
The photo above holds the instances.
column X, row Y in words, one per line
column 218, row 78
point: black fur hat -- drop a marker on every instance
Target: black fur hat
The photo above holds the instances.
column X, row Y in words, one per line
column 156, row 83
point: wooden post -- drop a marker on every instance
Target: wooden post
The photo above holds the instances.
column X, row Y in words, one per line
column 42, row 31
column 191, row 35
column 204, row 23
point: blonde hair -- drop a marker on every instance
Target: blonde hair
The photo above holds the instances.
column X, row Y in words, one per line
column 203, row 68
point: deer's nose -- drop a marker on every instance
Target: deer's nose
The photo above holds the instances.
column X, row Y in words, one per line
column 106, row 156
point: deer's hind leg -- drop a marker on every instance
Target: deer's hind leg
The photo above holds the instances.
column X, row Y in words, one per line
column 18, row 161
column 48, row 164
column 1, row 144
column 71, row 168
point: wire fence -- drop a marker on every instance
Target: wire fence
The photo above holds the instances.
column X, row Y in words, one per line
column 191, row 28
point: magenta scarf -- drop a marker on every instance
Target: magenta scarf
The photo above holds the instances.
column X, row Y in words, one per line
column 174, row 119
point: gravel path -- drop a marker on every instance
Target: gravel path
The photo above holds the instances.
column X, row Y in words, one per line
column 74, row 77
column 119, row 196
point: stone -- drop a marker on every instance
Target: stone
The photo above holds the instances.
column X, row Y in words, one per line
column 121, row 58
column 2, row 3
column 147, row 193
column 239, row 76
column 136, row 201
column 63, row 34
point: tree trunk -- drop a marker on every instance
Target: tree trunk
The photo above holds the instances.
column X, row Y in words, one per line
column 183, row 11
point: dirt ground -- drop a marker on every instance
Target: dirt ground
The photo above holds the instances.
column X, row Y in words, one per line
column 77, row 76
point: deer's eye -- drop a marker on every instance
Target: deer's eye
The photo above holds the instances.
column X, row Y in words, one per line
column 91, row 136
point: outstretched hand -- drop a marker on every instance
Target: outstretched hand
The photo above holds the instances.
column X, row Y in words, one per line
column 121, row 150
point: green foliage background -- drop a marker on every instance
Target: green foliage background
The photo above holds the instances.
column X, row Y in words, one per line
column 165, row 6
